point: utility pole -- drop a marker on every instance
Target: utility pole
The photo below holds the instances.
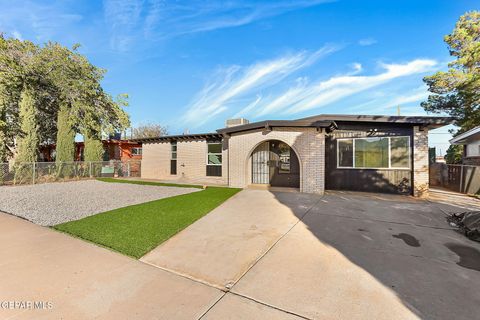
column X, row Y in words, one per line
column 398, row 110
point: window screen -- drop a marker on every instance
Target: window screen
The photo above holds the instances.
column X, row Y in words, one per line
column 371, row 153
column 214, row 159
column 374, row 153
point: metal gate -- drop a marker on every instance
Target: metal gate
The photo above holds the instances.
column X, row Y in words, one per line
column 260, row 168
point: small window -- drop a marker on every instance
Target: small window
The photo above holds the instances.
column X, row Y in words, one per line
column 374, row 153
column 173, row 158
column 214, row 159
column 283, row 158
column 136, row 151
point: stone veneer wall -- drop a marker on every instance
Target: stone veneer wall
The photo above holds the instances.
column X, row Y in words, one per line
column 308, row 143
column 420, row 162
column 191, row 162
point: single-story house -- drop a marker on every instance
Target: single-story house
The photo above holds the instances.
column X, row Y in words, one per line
column 340, row 152
column 471, row 146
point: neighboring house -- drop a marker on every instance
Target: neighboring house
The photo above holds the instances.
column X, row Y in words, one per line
column 343, row 152
column 114, row 150
column 471, row 146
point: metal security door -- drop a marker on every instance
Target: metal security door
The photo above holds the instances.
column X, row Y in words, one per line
column 260, row 168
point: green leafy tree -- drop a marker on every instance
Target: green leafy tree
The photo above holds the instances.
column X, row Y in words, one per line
column 18, row 72
column 68, row 96
column 454, row 154
column 28, row 142
column 457, row 91
column 65, row 148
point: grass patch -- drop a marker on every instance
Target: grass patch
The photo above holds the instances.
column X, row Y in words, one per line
column 137, row 229
column 149, row 183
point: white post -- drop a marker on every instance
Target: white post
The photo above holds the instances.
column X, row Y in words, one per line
column 33, row 173
column 128, row 168
column 90, row 168
column 461, row 178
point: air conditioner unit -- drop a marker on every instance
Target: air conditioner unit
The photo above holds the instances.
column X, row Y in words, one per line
column 236, row 122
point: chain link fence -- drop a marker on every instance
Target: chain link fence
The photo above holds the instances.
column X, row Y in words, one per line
column 45, row 172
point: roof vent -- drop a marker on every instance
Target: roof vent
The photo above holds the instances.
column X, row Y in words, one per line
column 236, row 122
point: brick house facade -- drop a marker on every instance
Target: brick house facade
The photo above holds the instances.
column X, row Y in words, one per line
column 367, row 153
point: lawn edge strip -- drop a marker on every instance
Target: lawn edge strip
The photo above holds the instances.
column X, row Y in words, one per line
column 150, row 183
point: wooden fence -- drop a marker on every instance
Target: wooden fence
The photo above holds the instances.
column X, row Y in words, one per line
column 459, row 178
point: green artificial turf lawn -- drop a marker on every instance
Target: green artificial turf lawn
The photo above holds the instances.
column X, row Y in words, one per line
column 137, row 229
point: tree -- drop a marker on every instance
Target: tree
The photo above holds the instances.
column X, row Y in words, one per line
column 149, row 130
column 93, row 148
column 454, row 154
column 19, row 82
column 85, row 107
column 28, row 142
column 457, row 91
column 69, row 98
column 65, row 148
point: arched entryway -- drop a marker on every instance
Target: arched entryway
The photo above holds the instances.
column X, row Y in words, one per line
column 276, row 164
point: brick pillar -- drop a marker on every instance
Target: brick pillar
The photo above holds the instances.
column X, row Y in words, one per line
column 420, row 162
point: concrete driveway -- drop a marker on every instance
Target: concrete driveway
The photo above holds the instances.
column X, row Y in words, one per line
column 260, row 255
column 340, row 256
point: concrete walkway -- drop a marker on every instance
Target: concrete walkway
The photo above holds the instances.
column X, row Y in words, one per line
column 260, row 255
column 83, row 281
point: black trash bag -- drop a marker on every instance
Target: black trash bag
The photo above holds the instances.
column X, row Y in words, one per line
column 468, row 222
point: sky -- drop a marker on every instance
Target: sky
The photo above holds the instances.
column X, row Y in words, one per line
column 190, row 65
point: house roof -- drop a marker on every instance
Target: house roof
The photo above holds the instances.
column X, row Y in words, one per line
column 267, row 124
column 327, row 121
column 431, row 122
column 330, row 121
column 466, row 137
column 181, row 137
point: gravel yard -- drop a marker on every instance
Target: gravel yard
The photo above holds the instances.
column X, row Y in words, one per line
column 54, row 203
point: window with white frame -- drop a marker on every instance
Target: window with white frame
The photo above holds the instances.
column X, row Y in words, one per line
column 214, row 158
column 173, row 158
column 136, row 151
column 374, row 153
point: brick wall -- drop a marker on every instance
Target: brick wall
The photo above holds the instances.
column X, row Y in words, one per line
column 191, row 162
column 306, row 142
column 420, row 162
column 156, row 160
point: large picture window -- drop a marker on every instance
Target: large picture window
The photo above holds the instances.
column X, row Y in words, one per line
column 374, row 153
column 214, row 159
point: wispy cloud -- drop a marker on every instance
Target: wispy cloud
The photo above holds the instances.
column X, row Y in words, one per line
column 158, row 19
column 233, row 83
column 339, row 87
column 392, row 100
column 367, row 42
column 232, row 90
column 123, row 18
column 43, row 20
column 17, row 35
